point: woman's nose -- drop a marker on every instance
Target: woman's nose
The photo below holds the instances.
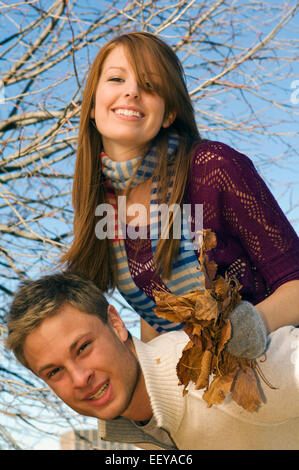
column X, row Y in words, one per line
column 132, row 90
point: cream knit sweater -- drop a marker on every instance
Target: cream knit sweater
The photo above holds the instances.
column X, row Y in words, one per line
column 192, row 425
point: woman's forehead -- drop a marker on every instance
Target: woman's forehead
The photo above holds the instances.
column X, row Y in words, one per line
column 142, row 62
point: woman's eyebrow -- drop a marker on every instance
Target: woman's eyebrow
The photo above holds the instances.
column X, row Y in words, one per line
column 115, row 67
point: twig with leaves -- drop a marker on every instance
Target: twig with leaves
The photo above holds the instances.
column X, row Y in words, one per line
column 204, row 359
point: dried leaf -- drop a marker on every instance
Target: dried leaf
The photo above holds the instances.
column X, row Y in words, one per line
column 206, row 339
column 222, row 289
column 184, row 313
column 209, row 269
column 206, row 307
column 196, row 338
column 218, row 389
column 196, row 329
column 174, row 308
column 205, row 370
column 204, row 360
column 188, row 367
column 209, row 240
column 228, row 364
column 224, row 335
column 245, row 390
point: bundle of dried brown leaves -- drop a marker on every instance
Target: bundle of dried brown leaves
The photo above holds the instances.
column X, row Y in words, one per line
column 204, row 359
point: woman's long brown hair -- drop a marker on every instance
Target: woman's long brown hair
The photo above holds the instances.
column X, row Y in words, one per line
column 147, row 53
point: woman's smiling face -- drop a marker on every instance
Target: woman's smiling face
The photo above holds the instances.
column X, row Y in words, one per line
column 126, row 115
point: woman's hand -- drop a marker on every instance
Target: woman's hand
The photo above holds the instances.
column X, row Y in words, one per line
column 249, row 333
column 251, row 325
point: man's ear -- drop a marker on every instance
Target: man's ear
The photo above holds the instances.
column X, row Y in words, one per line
column 168, row 120
column 116, row 323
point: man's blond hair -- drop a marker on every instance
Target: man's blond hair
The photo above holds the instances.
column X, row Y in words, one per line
column 39, row 299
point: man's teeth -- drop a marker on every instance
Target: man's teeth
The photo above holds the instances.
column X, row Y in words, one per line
column 100, row 392
column 128, row 112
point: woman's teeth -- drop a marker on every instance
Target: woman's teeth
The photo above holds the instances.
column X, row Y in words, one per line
column 128, row 112
column 99, row 392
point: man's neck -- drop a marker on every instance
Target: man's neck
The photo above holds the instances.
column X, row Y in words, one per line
column 139, row 408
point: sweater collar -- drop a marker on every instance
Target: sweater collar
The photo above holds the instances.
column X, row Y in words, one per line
column 158, row 360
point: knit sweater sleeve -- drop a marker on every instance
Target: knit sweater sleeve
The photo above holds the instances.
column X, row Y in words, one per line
column 238, row 205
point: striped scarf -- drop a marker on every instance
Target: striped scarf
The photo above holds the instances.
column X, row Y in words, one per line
column 185, row 275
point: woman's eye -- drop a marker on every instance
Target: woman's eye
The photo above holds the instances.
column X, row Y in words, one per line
column 115, row 79
column 84, row 346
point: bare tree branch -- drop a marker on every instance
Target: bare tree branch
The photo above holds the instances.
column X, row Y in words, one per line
column 240, row 59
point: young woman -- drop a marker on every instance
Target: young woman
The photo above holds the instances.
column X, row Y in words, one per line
column 138, row 138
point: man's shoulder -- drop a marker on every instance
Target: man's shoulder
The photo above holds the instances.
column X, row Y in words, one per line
column 171, row 336
column 171, row 341
column 165, row 350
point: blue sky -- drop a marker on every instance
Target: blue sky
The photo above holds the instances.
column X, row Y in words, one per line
column 279, row 174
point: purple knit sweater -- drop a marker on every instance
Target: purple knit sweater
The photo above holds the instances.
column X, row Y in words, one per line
column 255, row 241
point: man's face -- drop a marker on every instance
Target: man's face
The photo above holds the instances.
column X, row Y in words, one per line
column 85, row 362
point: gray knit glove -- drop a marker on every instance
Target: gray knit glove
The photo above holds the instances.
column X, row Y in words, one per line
column 249, row 335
